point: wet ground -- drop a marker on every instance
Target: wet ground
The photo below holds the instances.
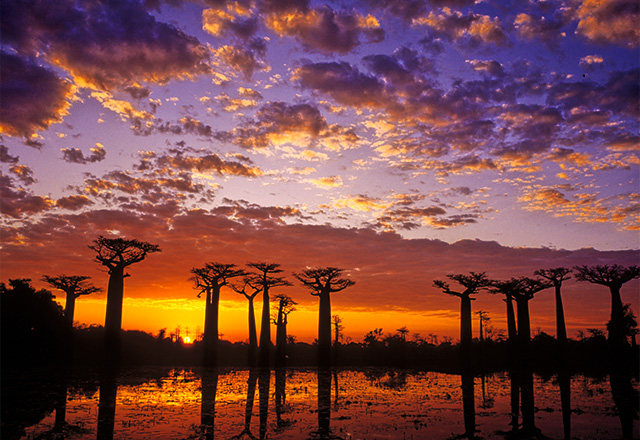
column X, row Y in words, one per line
column 301, row 403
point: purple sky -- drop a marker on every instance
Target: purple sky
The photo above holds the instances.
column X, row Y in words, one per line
column 321, row 133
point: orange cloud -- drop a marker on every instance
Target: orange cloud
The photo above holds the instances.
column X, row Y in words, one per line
column 610, row 21
column 325, row 29
column 33, row 97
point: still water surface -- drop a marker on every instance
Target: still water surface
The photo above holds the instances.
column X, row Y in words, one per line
column 305, row 403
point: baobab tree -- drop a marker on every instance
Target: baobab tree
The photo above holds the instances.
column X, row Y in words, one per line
column 74, row 286
column 263, row 278
column 525, row 291
column 336, row 322
column 117, row 254
column 286, row 305
column 484, row 318
column 210, row 279
column 253, row 334
column 613, row 277
column 556, row 276
column 323, row 282
column 472, row 283
column 507, row 289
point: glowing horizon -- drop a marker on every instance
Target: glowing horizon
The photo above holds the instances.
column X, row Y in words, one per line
column 399, row 141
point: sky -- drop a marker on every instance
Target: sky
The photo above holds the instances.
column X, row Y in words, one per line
column 399, row 140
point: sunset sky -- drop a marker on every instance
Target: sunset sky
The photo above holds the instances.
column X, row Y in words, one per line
column 401, row 140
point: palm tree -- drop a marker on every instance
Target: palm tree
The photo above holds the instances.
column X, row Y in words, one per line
column 323, row 282
column 210, row 279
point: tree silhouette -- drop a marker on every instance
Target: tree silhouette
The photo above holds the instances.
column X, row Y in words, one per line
column 336, row 321
column 557, row 275
column 484, row 320
column 472, row 284
column 613, row 277
column 210, row 279
column 507, row 288
column 253, row 334
column 264, row 280
column 74, row 286
column 117, row 254
column 323, row 282
column 525, row 291
column 285, row 306
column 32, row 325
column 630, row 323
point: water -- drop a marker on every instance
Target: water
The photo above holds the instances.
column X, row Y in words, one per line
column 301, row 403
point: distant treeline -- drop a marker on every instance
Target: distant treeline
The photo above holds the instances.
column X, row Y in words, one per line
column 34, row 333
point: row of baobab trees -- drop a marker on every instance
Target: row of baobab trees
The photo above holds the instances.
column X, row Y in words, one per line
column 522, row 290
column 116, row 254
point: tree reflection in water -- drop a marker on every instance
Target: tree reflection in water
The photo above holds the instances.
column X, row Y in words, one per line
column 324, row 406
column 107, row 404
column 155, row 404
column 264, row 380
column 209, row 387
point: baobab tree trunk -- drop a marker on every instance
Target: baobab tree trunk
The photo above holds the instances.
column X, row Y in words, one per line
column 113, row 316
column 211, row 328
column 465, row 331
column 564, row 377
column 525, row 373
column 561, row 329
column 69, row 309
column 513, row 370
column 466, row 337
column 617, row 337
column 207, row 319
column 324, row 330
column 511, row 319
column 281, row 338
column 253, row 335
column 115, row 293
column 265, row 330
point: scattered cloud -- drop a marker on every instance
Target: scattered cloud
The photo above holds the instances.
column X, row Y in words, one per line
column 75, row 155
column 326, row 30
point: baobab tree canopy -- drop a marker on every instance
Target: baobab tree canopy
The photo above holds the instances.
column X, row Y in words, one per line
column 323, row 282
column 472, row 283
column 263, row 279
column 75, row 285
column 214, row 274
column 556, row 275
column 121, row 252
column 319, row 280
column 614, row 275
